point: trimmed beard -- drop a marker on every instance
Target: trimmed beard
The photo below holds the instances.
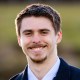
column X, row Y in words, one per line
column 39, row 61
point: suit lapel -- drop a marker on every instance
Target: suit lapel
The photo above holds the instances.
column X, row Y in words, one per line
column 63, row 72
column 25, row 74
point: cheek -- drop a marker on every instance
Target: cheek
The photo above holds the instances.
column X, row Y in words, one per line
column 24, row 44
column 52, row 42
column 24, row 41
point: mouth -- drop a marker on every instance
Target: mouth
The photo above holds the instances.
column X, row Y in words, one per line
column 37, row 47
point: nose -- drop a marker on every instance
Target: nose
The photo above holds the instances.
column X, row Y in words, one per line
column 36, row 38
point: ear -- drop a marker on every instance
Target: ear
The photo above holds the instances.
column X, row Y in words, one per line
column 59, row 37
column 19, row 41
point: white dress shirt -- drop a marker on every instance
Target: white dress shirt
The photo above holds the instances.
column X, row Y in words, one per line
column 49, row 76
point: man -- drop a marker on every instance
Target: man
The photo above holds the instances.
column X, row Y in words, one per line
column 38, row 30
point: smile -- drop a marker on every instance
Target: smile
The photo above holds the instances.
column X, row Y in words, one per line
column 37, row 48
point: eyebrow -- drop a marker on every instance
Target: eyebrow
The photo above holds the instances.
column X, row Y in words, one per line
column 44, row 30
column 29, row 30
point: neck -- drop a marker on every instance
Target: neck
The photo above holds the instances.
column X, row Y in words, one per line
column 40, row 70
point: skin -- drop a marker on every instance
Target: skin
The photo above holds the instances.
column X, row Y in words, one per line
column 39, row 43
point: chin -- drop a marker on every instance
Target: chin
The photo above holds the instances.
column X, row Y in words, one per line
column 38, row 61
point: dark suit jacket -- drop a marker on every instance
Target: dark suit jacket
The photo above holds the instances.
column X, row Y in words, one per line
column 65, row 72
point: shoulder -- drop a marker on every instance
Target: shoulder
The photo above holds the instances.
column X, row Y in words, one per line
column 74, row 69
column 20, row 76
column 75, row 73
column 70, row 71
column 17, row 76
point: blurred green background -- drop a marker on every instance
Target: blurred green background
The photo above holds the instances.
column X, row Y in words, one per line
column 12, row 59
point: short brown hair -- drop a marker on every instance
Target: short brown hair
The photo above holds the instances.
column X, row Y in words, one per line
column 38, row 10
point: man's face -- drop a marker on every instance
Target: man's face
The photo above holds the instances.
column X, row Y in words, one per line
column 38, row 39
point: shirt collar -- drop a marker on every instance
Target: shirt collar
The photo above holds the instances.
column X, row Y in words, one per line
column 49, row 76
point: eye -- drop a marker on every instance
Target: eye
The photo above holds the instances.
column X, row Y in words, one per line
column 28, row 33
column 44, row 32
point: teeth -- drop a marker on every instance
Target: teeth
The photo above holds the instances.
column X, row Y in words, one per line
column 36, row 49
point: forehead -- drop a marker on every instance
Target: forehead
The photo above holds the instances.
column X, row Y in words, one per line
column 36, row 23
